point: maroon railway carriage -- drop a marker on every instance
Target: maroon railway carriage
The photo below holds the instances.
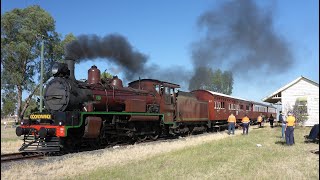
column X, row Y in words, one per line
column 221, row 106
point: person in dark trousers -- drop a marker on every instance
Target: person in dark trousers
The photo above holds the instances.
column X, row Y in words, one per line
column 231, row 123
column 314, row 134
column 271, row 119
column 283, row 123
column 290, row 128
column 245, row 124
column 259, row 119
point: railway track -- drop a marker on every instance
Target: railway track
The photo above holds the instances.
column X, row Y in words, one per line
column 20, row 156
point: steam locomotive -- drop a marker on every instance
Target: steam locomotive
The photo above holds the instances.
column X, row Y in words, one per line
column 102, row 111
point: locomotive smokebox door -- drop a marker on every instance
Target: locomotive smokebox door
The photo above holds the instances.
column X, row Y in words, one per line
column 92, row 127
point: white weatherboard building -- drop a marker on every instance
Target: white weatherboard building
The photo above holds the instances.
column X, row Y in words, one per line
column 300, row 91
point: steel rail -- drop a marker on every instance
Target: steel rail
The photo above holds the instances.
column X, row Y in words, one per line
column 19, row 156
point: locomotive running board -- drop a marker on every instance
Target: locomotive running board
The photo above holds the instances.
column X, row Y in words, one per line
column 34, row 144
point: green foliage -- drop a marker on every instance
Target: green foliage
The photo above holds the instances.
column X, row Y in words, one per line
column 22, row 33
column 300, row 111
column 106, row 75
column 9, row 101
column 20, row 43
column 32, row 107
column 55, row 52
column 216, row 81
column 201, row 79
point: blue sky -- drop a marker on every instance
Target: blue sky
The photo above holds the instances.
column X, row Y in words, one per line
column 164, row 31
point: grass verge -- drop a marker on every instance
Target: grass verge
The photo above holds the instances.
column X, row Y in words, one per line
column 213, row 156
column 238, row 157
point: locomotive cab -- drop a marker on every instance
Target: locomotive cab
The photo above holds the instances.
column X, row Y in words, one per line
column 165, row 94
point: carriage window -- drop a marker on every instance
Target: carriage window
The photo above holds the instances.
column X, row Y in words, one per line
column 157, row 88
column 171, row 91
column 218, row 105
column 167, row 91
column 161, row 89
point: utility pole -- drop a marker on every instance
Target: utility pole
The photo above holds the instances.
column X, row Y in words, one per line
column 41, row 75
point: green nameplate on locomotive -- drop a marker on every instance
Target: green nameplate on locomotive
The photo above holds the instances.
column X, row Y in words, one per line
column 40, row 116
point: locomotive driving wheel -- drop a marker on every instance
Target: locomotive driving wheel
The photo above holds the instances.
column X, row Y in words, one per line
column 142, row 138
column 154, row 136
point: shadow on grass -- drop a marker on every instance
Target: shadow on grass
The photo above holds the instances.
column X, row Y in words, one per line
column 281, row 142
column 258, row 127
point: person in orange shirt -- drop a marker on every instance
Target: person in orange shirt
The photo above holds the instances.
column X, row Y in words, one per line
column 259, row 120
column 290, row 128
column 245, row 124
column 231, row 123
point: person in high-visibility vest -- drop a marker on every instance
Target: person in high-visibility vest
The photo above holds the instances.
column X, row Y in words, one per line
column 259, row 120
column 245, row 124
column 231, row 123
column 290, row 128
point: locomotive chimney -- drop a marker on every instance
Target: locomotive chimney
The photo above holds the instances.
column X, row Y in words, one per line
column 70, row 64
column 93, row 75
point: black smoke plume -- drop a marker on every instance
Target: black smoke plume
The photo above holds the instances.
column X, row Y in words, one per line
column 114, row 48
column 240, row 37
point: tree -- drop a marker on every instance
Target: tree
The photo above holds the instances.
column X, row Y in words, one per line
column 22, row 31
column 227, row 82
column 201, row 79
column 9, row 102
column 222, row 82
column 216, row 81
column 106, row 75
column 32, row 107
column 300, row 111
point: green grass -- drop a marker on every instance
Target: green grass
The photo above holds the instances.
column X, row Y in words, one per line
column 9, row 134
column 236, row 157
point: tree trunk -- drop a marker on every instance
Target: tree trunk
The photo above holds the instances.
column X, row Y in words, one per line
column 19, row 104
column 28, row 101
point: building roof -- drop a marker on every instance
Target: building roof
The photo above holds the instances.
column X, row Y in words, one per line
column 276, row 96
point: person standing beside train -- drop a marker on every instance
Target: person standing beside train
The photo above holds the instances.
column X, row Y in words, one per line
column 245, row 124
column 271, row 119
column 231, row 123
column 282, row 120
column 259, row 119
column 290, row 128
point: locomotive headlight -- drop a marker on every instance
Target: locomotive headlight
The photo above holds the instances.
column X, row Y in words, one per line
column 60, row 123
column 55, row 69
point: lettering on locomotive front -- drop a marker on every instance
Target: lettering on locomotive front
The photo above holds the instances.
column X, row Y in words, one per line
column 40, row 116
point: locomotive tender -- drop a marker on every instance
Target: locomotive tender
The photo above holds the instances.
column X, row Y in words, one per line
column 102, row 111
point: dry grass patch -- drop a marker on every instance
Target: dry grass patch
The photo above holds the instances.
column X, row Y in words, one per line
column 9, row 141
column 75, row 164
column 201, row 157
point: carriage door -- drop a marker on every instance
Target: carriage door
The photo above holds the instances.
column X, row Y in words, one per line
column 169, row 104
